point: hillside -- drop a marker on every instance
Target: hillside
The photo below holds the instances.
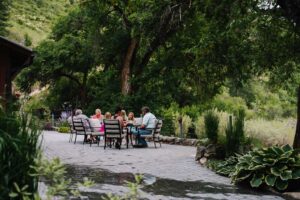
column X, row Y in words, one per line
column 34, row 18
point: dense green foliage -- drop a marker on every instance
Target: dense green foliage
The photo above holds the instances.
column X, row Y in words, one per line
column 227, row 167
column 235, row 133
column 274, row 166
column 109, row 53
column 211, row 121
column 86, row 54
column 84, row 57
column 19, row 147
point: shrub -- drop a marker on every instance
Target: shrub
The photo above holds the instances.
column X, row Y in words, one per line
column 274, row 166
column 186, row 124
column 239, row 127
column 200, row 125
column 168, row 128
column 19, row 146
column 211, row 121
column 63, row 129
column 192, row 132
column 230, row 138
column 53, row 173
column 235, row 134
column 225, row 102
column 226, row 167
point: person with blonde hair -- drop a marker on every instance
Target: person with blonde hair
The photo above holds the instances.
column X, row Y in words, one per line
column 130, row 119
column 98, row 114
column 107, row 115
column 124, row 115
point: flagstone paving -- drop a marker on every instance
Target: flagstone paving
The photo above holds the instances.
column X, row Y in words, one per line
column 170, row 162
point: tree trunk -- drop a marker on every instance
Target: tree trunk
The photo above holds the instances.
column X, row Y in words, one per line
column 297, row 134
column 82, row 90
column 126, row 67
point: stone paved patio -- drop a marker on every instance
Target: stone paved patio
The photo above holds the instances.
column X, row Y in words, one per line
column 168, row 162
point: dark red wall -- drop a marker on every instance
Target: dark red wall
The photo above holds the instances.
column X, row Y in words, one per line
column 4, row 69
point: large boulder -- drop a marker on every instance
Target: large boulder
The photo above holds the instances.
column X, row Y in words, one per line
column 179, row 140
column 200, row 152
column 210, row 150
column 170, row 140
column 189, row 142
column 203, row 161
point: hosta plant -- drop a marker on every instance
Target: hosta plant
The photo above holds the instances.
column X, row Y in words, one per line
column 275, row 167
column 226, row 167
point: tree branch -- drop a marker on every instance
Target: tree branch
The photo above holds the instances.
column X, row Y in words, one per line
column 126, row 21
column 166, row 28
column 62, row 74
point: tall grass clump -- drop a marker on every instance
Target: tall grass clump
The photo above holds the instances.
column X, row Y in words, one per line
column 200, row 125
column 186, row 124
column 235, row 133
column 19, row 147
column 271, row 132
column 211, row 121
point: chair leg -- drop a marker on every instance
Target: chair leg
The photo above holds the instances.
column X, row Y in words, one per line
column 104, row 142
column 70, row 138
column 98, row 140
column 75, row 138
column 159, row 142
column 91, row 141
column 127, row 140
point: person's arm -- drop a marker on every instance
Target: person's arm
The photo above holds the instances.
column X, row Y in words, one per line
column 120, row 121
column 145, row 122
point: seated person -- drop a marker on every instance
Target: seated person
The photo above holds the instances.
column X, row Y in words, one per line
column 118, row 116
column 78, row 115
column 148, row 123
column 107, row 115
column 130, row 119
column 98, row 114
column 124, row 115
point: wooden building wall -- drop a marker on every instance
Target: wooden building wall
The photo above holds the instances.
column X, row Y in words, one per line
column 4, row 72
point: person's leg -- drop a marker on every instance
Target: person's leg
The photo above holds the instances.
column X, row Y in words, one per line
column 136, row 134
column 142, row 140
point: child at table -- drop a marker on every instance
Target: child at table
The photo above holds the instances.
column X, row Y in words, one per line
column 130, row 118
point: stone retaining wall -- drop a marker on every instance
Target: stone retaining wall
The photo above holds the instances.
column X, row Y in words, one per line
column 179, row 141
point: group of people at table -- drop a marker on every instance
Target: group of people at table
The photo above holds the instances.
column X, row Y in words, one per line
column 146, row 123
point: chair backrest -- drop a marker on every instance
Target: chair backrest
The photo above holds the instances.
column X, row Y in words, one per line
column 112, row 128
column 70, row 122
column 95, row 125
column 158, row 126
column 78, row 126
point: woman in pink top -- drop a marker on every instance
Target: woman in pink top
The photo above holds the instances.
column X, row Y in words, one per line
column 98, row 114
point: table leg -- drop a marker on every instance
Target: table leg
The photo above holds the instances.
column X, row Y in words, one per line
column 127, row 139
